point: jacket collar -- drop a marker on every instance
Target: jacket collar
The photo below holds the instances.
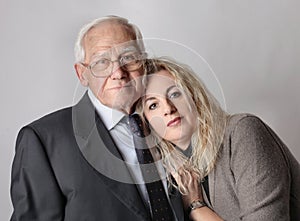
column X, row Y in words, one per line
column 99, row 150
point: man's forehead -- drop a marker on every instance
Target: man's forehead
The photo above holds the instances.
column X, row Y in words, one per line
column 109, row 30
column 119, row 48
column 114, row 51
column 109, row 42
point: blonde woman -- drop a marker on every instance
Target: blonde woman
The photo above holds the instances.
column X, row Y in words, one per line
column 227, row 167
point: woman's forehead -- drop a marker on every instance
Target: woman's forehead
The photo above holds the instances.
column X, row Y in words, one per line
column 159, row 82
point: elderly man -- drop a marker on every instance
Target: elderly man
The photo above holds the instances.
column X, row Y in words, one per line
column 79, row 163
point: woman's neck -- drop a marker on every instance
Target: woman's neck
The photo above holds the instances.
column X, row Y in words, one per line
column 183, row 145
column 187, row 151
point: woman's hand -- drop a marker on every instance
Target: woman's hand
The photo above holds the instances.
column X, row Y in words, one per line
column 193, row 192
column 192, row 188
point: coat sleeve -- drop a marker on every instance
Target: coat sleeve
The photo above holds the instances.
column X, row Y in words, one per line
column 34, row 191
column 261, row 172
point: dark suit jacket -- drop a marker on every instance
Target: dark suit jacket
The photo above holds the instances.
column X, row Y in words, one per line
column 67, row 167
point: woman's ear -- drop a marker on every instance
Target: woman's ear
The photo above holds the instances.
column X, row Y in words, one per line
column 80, row 71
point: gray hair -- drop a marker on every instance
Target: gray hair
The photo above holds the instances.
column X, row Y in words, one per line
column 133, row 29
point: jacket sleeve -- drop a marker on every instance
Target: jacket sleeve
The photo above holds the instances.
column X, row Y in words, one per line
column 34, row 191
column 261, row 172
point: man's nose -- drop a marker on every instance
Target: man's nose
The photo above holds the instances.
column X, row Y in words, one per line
column 117, row 72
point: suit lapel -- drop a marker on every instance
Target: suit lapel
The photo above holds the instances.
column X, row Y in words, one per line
column 177, row 205
column 98, row 148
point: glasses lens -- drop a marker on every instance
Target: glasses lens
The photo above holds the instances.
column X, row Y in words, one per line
column 99, row 67
column 128, row 62
column 131, row 62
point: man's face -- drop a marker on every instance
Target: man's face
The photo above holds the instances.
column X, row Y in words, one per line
column 121, row 88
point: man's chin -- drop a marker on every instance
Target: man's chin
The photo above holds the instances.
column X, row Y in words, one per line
column 122, row 99
column 122, row 103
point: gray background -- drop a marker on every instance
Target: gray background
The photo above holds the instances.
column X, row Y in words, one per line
column 253, row 47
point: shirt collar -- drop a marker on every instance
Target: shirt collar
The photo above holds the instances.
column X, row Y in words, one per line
column 109, row 116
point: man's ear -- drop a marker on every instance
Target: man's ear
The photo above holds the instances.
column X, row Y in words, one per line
column 80, row 71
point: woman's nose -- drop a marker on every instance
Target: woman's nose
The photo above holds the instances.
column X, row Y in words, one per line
column 169, row 107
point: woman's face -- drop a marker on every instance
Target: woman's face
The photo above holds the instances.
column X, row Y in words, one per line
column 170, row 112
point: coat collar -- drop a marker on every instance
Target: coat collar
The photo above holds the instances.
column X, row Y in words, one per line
column 99, row 150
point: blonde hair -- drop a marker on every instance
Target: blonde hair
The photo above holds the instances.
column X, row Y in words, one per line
column 211, row 122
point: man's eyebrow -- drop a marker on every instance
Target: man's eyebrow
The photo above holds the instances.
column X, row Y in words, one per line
column 128, row 49
column 100, row 55
column 107, row 52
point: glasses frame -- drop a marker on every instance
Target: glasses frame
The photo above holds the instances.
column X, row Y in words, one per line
column 141, row 59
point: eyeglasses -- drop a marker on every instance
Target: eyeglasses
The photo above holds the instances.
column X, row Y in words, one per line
column 127, row 62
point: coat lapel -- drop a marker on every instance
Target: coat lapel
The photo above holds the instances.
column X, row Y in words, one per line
column 98, row 148
column 177, row 205
column 211, row 187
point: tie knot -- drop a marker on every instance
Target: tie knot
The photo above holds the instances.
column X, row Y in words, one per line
column 136, row 125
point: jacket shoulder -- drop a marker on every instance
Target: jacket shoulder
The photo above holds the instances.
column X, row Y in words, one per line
column 52, row 121
column 241, row 119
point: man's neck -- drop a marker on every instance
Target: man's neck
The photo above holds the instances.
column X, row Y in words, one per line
column 126, row 110
column 109, row 116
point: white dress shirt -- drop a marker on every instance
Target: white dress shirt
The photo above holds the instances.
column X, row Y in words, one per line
column 116, row 123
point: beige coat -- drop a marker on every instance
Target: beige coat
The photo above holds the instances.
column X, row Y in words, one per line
column 256, row 178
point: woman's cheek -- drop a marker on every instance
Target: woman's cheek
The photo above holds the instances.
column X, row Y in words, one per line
column 158, row 125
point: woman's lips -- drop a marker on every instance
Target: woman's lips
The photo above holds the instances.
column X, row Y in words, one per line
column 174, row 122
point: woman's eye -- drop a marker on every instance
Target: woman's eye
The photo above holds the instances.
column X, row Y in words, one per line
column 174, row 94
column 152, row 106
column 128, row 58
